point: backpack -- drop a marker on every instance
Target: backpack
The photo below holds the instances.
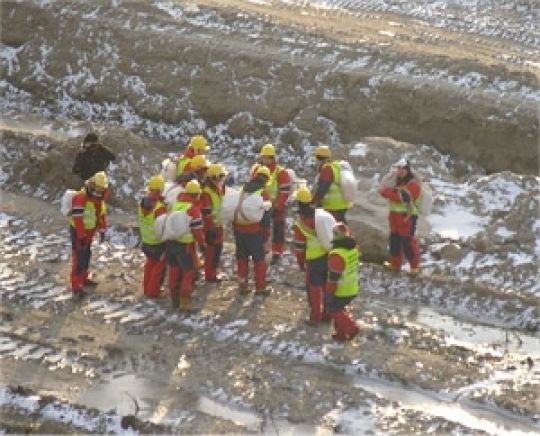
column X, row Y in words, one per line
column 324, row 225
column 168, row 170
column 348, row 183
column 66, row 202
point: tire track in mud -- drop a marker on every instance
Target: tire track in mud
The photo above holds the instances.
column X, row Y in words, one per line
column 37, row 288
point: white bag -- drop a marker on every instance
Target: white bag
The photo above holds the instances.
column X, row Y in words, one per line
column 324, row 225
column 348, row 183
column 66, row 203
column 170, row 193
column 229, row 203
column 251, row 210
column 172, row 225
column 168, row 170
column 425, row 202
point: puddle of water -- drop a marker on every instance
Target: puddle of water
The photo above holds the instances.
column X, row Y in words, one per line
column 469, row 333
column 468, row 413
column 162, row 403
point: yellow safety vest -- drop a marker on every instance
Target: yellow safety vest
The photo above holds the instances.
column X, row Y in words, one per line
column 348, row 285
column 333, row 200
column 400, row 207
column 89, row 215
column 182, row 164
column 314, row 249
column 146, row 225
column 216, row 205
column 183, row 206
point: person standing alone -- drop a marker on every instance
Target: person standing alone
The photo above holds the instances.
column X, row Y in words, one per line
column 92, row 157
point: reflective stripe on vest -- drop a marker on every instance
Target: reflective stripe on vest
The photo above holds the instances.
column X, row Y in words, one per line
column 183, row 206
column 89, row 215
column 400, row 207
column 182, row 164
column 348, row 285
column 314, row 249
column 333, row 200
column 146, row 225
column 216, row 205
column 272, row 186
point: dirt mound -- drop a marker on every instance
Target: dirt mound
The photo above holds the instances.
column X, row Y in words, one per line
column 264, row 82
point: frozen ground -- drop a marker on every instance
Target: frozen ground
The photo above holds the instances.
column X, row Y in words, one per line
column 454, row 351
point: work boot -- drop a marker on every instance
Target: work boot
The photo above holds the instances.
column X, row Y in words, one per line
column 90, row 283
column 388, row 266
column 186, row 304
column 243, row 289
column 414, row 271
column 263, row 291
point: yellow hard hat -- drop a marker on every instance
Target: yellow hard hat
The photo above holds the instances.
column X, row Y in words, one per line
column 262, row 170
column 322, row 151
column 100, row 180
column 268, row 150
column 199, row 142
column 303, row 195
column 156, row 183
column 198, row 162
column 193, row 187
column 216, row 170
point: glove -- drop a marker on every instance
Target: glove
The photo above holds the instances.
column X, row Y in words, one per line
column 211, row 236
column 101, row 237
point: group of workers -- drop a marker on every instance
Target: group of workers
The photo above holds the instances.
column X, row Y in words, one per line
column 331, row 275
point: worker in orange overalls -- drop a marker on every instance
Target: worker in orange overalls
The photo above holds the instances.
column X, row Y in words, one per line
column 311, row 257
column 88, row 215
column 250, row 238
column 198, row 145
column 327, row 191
column 150, row 207
column 182, row 252
column 279, row 190
column 342, row 284
column 211, row 198
column 403, row 218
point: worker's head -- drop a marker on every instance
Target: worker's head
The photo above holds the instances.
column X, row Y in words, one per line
column 268, row 154
column 199, row 144
column 90, row 140
column 403, row 167
column 322, row 153
column 216, row 173
column 156, row 183
column 263, row 174
column 193, row 187
column 98, row 184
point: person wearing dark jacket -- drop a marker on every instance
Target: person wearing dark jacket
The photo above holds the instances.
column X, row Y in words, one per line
column 342, row 284
column 92, row 158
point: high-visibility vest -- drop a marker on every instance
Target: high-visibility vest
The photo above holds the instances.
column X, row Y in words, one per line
column 348, row 285
column 314, row 249
column 272, row 185
column 183, row 206
column 334, row 200
column 183, row 162
column 400, row 207
column 146, row 225
column 89, row 215
column 216, row 199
